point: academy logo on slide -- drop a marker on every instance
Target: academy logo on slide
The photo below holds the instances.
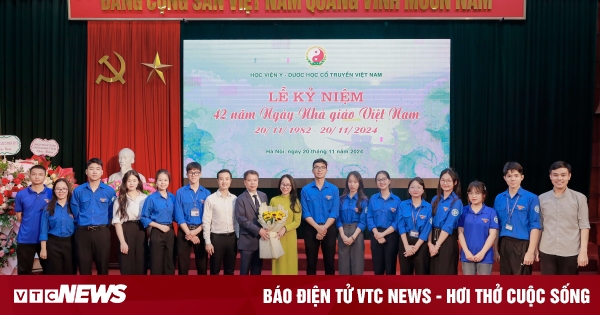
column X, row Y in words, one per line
column 73, row 293
column 316, row 56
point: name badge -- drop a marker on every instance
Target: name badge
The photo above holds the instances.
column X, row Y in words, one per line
column 508, row 227
column 195, row 212
column 413, row 233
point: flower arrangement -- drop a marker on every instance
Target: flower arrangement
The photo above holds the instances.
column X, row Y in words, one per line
column 148, row 188
column 14, row 177
column 272, row 216
column 272, row 219
column 8, row 247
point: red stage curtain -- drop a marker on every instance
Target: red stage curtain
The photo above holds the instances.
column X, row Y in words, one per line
column 143, row 116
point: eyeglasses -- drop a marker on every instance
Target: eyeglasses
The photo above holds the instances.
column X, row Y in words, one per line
column 286, row 185
column 320, row 168
column 194, row 173
column 61, row 189
column 382, row 180
column 446, row 181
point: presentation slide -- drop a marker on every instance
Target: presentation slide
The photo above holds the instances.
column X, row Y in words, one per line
column 274, row 106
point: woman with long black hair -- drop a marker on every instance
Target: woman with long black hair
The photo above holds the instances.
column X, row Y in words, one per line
column 288, row 263
column 447, row 208
column 351, row 223
column 127, row 212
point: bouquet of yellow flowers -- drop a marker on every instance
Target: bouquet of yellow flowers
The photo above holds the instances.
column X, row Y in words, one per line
column 272, row 216
column 272, row 219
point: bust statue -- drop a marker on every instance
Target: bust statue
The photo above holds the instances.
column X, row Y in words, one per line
column 126, row 158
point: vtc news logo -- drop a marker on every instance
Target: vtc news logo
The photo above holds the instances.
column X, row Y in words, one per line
column 82, row 293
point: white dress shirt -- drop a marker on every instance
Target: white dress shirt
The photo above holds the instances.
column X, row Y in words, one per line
column 134, row 209
column 219, row 216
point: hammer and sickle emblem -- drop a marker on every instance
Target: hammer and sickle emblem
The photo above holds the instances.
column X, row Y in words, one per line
column 118, row 76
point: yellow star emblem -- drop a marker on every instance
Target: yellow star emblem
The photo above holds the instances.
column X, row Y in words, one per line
column 156, row 66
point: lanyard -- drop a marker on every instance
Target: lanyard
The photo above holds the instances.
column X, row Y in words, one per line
column 195, row 196
column 511, row 211
column 412, row 214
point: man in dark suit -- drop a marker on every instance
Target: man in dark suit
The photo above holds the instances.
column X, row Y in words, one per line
column 246, row 213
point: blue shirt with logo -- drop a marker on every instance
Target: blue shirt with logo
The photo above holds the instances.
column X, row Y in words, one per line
column 31, row 204
column 320, row 204
column 521, row 212
column 383, row 213
column 93, row 207
column 447, row 213
column 158, row 209
column 415, row 219
column 476, row 231
column 60, row 224
column 349, row 212
column 186, row 200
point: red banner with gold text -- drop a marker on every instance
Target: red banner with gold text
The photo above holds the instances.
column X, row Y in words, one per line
column 294, row 9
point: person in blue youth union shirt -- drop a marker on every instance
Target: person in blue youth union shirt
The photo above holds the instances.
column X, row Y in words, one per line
column 29, row 203
column 519, row 220
column 477, row 231
column 189, row 208
column 158, row 214
column 414, row 226
column 57, row 229
column 351, row 223
column 92, row 205
column 447, row 207
column 320, row 202
column 382, row 212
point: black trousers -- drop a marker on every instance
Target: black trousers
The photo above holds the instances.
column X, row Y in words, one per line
column 26, row 257
column 250, row 262
column 134, row 262
column 446, row 261
column 225, row 252
column 184, row 250
column 558, row 265
column 512, row 253
column 161, row 252
column 384, row 255
column 93, row 246
column 59, row 251
column 312, row 249
column 75, row 263
column 416, row 264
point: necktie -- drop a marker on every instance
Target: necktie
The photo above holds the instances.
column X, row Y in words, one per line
column 256, row 202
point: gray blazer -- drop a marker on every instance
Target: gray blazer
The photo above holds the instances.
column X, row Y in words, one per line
column 247, row 217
